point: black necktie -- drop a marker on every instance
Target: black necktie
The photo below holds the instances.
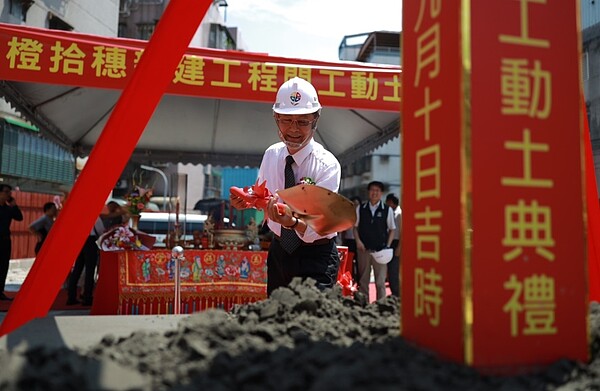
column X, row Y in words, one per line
column 289, row 240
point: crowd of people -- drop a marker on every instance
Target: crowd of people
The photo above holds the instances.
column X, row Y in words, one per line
column 88, row 257
column 297, row 250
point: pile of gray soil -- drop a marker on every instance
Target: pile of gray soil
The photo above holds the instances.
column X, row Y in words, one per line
column 299, row 339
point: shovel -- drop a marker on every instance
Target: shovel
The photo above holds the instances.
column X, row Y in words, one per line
column 321, row 209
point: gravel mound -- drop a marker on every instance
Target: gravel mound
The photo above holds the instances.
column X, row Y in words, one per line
column 299, row 339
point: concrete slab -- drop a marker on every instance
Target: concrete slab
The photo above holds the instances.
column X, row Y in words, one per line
column 83, row 331
column 72, row 328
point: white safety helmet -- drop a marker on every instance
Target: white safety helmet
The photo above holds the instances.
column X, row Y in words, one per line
column 296, row 96
column 383, row 256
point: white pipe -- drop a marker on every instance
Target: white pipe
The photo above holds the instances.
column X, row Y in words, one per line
column 164, row 177
column 178, row 255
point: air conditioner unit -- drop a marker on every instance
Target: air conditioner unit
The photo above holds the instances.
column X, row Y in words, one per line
column 366, row 176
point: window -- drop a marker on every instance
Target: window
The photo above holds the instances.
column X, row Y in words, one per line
column 15, row 8
column 585, row 66
column 220, row 38
column 122, row 32
column 56, row 23
column 145, row 30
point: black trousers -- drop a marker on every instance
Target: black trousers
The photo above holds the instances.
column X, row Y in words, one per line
column 394, row 271
column 88, row 258
column 319, row 262
column 5, row 249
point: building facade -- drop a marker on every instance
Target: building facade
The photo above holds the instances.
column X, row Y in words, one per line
column 590, row 63
column 137, row 20
column 383, row 164
column 85, row 16
column 28, row 160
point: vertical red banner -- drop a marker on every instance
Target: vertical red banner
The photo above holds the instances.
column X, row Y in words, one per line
column 433, row 218
column 528, row 269
column 494, row 223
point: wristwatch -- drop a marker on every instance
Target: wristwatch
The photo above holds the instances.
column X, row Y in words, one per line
column 293, row 225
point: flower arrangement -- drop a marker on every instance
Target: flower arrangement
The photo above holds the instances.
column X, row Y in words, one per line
column 138, row 198
column 120, row 238
column 124, row 238
column 306, row 180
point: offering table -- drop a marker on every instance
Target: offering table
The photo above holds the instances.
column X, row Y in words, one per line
column 142, row 282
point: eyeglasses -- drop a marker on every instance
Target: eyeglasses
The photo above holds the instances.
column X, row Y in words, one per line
column 302, row 123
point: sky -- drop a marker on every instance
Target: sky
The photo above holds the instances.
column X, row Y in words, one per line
column 308, row 29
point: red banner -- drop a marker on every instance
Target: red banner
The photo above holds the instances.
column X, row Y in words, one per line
column 432, row 225
column 200, row 269
column 493, row 255
column 208, row 279
column 528, row 269
column 58, row 57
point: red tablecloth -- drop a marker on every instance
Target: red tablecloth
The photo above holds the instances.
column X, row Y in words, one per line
column 141, row 282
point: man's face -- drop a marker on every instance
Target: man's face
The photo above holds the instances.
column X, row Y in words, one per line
column 295, row 128
column 374, row 194
column 52, row 212
column 5, row 194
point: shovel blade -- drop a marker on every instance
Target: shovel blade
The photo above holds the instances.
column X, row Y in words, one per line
column 322, row 209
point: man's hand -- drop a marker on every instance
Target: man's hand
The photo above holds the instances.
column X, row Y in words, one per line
column 360, row 245
column 238, row 202
column 275, row 210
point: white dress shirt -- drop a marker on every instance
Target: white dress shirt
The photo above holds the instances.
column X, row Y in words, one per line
column 312, row 161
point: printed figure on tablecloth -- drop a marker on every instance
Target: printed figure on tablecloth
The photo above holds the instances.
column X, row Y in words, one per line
column 160, row 271
column 220, row 266
column 244, row 268
column 184, row 271
column 171, row 268
column 232, row 270
column 146, row 269
column 197, row 268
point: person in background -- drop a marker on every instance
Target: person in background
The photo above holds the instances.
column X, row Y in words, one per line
column 349, row 241
column 41, row 226
column 393, row 267
column 88, row 258
column 114, row 214
column 9, row 211
column 297, row 250
column 374, row 231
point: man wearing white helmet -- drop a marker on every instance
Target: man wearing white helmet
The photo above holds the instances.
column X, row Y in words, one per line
column 296, row 112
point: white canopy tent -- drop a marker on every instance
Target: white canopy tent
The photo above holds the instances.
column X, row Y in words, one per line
column 220, row 127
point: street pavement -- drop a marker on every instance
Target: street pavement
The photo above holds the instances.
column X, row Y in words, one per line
column 74, row 329
column 17, row 272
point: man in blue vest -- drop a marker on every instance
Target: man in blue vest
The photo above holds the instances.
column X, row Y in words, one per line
column 373, row 231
